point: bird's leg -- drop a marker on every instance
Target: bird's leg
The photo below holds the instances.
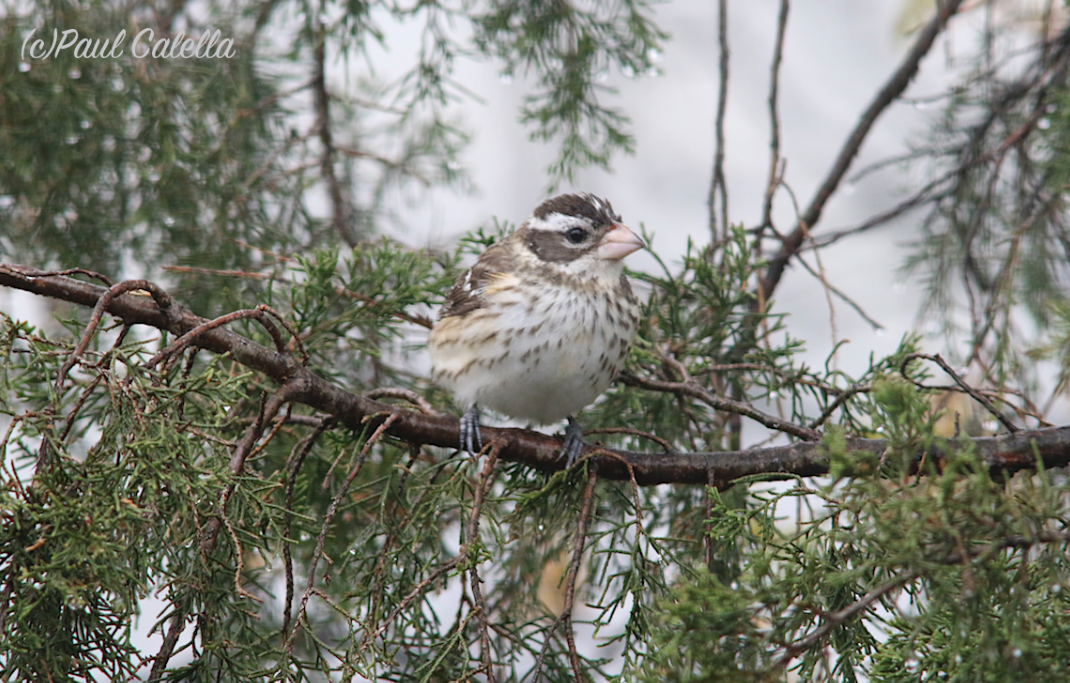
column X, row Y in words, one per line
column 573, row 441
column 471, row 441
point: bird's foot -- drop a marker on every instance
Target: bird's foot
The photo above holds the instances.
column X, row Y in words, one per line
column 471, row 440
column 573, row 445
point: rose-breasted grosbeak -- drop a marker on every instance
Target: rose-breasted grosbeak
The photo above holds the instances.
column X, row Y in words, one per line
column 542, row 323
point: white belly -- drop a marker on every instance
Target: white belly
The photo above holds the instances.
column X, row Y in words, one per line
column 529, row 372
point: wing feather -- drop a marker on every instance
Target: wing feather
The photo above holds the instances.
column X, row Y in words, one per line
column 491, row 272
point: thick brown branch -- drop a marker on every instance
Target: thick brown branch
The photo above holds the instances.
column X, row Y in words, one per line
column 1008, row 453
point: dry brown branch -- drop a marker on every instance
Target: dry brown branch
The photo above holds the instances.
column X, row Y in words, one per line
column 840, row 400
column 416, row 591
column 837, row 618
column 574, row 566
column 404, row 394
column 693, row 389
column 81, row 271
column 776, row 168
column 632, row 432
column 191, row 336
column 162, row 298
column 293, row 465
column 834, row 290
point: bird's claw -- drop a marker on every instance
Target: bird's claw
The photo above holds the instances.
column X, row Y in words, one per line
column 471, row 440
column 573, row 445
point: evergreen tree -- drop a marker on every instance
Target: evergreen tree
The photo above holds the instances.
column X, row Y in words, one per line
column 226, row 416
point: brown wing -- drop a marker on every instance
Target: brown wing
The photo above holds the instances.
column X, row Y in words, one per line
column 467, row 294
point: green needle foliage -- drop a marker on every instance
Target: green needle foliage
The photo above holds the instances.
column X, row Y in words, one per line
column 289, row 544
column 337, row 553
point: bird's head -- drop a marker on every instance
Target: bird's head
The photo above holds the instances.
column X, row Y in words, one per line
column 579, row 234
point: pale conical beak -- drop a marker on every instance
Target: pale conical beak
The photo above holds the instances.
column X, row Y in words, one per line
column 618, row 243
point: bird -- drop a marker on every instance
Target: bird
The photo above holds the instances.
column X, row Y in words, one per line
column 542, row 323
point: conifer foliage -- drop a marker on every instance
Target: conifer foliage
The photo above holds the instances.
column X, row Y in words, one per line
column 228, row 411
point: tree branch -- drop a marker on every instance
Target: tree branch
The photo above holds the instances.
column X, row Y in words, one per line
column 340, row 212
column 1006, row 453
column 717, row 183
column 888, row 94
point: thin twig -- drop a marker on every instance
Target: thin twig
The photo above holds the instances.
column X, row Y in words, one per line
column 73, row 271
column 406, row 394
column 962, row 386
column 239, row 554
column 162, row 298
column 565, row 618
column 385, row 161
column 275, row 427
column 328, row 517
column 289, row 328
column 633, row 432
column 840, row 400
column 418, row 590
column 695, row 390
column 707, row 538
column 293, row 465
column 221, row 273
column 574, row 567
column 191, row 336
column 837, row 618
column 15, row 420
column 775, row 168
column 833, row 289
column 325, row 484
column 71, row 416
column 393, row 532
column 471, row 536
column 210, row 533
column 339, row 207
column 717, row 183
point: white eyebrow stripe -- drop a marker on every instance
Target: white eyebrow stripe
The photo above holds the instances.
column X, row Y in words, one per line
column 560, row 221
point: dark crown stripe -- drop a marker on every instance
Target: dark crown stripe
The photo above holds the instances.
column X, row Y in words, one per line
column 598, row 211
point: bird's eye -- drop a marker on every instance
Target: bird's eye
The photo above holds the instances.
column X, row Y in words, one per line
column 576, row 235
